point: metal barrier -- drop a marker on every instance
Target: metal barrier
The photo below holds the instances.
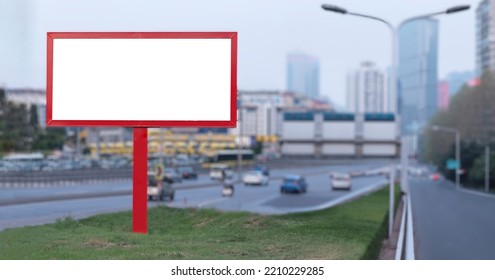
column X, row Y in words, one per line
column 405, row 243
column 41, row 178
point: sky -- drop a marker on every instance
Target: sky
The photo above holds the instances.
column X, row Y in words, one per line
column 268, row 30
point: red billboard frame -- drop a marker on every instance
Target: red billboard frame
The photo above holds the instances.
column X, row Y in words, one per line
column 142, row 35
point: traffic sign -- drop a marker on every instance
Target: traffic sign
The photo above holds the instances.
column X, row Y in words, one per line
column 452, row 164
column 159, row 171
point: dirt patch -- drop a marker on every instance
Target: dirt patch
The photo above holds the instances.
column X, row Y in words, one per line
column 202, row 223
column 98, row 244
column 255, row 222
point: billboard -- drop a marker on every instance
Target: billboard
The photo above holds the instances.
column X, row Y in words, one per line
column 142, row 79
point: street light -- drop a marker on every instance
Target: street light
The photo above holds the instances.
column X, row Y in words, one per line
column 394, row 32
column 457, row 149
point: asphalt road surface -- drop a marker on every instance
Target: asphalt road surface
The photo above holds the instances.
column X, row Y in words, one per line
column 452, row 224
column 259, row 199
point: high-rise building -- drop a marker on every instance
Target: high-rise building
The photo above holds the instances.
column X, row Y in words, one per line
column 417, row 74
column 443, row 95
column 16, row 29
column 485, row 32
column 457, row 80
column 303, row 74
column 366, row 90
column 391, row 96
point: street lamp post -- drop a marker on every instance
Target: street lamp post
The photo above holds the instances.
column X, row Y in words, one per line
column 457, row 149
column 394, row 36
column 394, row 33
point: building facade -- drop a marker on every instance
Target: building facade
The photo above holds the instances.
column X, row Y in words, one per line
column 329, row 134
column 366, row 90
column 443, row 95
column 303, row 75
column 485, row 34
column 29, row 97
column 18, row 32
column 417, row 74
column 258, row 113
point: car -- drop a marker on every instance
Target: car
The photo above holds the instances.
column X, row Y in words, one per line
column 217, row 171
column 255, row 178
column 159, row 192
column 187, row 172
column 294, row 183
column 341, row 181
column 171, row 175
column 435, row 177
column 263, row 169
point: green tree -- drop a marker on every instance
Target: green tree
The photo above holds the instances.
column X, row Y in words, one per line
column 19, row 130
column 50, row 139
column 472, row 112
column 33, row 116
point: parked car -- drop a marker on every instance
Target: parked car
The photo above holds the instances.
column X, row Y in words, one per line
column 217, row 171
column 294, row 183
column 341, row 181
column 171, row 175
column 263, row 169
column 255, row 178
column 187, row 172
column 156, row 192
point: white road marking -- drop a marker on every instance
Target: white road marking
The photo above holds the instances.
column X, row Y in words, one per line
column 211, row 201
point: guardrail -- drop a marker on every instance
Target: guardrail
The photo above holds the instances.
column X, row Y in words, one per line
column 405, row 243
column 30, row 178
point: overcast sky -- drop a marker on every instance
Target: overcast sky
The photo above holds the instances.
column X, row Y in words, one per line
column 267, row 30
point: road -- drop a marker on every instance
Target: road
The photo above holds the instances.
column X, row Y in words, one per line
column 262, row 199
column 452, row 224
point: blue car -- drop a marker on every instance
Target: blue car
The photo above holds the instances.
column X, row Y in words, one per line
column 294, row 183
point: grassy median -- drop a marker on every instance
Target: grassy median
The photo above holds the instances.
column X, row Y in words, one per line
column 350, row 231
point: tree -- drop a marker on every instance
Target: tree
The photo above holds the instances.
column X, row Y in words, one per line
column 471, row 112
column 19, row 130
column 33, row 116
column 50, row 139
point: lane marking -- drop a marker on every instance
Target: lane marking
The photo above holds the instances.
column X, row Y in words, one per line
column 342, row 199
column 200, row 205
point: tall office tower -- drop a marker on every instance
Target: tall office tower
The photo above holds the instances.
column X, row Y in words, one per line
column 16, row 47
column 366, row 90
column 417, row 74
column 303, row 75
column 485, row 32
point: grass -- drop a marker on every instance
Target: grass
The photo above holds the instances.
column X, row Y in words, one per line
column 349, row 231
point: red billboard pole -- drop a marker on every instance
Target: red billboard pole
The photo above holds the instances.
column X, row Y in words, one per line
column 140, row 181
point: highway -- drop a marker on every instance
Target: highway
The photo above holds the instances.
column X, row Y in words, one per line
column 452, row 224
column 200, row 193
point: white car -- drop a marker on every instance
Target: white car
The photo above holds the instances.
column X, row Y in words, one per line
column 255, row 178
column 341, row 181
column 217, row 172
